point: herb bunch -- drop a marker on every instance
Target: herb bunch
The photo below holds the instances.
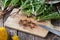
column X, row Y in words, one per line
column 39, row 9
column 29, row 8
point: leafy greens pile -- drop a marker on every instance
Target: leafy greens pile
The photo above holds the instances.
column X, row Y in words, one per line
column 36, row 8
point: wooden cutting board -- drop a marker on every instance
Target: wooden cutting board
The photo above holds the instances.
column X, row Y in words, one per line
column 13, row 22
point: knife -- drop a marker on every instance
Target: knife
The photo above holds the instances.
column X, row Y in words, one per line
column 51, row 30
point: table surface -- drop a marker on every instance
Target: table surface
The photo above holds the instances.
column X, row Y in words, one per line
column 26, row 36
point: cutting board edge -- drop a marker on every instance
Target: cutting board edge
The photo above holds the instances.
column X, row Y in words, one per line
column 26, row 32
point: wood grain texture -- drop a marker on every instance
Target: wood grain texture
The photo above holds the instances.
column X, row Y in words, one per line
column 1, row 22
column 38, row 38
column 1, row 19
column 25, row 36
column 10, row 31
column 52, row 36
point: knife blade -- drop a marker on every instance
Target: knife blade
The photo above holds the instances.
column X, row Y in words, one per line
column 51, row 30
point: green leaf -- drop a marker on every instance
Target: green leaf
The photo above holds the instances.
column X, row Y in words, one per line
column 13, row 2
column 33, row 5
column 50, row 16
column 4, row 4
